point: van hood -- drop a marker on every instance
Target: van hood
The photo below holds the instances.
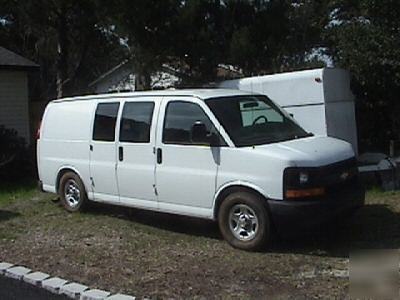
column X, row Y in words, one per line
column 309, row 152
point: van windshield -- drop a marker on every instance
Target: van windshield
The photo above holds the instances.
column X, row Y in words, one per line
column 254, row 120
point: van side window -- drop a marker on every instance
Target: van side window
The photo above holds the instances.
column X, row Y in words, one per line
column 104, row 122
column 136, row 122
column 179, row 119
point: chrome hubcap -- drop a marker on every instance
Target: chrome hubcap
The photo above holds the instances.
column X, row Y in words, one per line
column 72, row 193
column 243, row 222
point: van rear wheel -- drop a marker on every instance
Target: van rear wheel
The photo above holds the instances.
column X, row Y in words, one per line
column 72, row 192
column 244, row 221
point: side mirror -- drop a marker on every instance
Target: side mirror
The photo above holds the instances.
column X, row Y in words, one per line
column 215, row 140
column 199, row 133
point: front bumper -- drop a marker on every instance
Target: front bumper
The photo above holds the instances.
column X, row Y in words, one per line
column 302, row 214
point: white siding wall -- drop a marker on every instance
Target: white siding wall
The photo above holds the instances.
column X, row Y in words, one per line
column 14, row 105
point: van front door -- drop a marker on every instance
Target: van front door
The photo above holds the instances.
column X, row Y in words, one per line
column 186, row 171
column 103, row 153
column 136, row 159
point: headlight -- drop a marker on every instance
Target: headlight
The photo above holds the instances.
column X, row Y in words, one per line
column 298, row 177
column 301, row 183
column 303, row 177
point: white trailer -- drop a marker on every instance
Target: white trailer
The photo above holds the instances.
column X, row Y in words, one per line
column 320, row 100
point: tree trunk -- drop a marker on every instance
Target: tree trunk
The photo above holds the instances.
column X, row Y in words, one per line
column 62, row 48
column 59, row 79
column 142, row 81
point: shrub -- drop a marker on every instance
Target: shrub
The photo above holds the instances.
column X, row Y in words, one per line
column 15, row 158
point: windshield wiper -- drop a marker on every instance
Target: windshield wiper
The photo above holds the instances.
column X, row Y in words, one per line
column 308, row 134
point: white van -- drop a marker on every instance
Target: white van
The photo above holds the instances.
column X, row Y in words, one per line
column 225, row 155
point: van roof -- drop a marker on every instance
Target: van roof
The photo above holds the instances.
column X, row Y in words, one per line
column 198, row 93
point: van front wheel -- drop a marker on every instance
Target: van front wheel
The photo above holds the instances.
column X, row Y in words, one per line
column 72, row 192
column 244, row 221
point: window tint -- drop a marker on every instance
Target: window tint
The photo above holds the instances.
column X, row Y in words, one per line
column 104, row 122
column 136, row 122
column 179, row 119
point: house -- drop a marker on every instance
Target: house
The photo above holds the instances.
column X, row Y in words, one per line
column 14, row 98
column 122, row 78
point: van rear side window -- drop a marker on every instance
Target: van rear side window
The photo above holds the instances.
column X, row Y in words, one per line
column 104, row 122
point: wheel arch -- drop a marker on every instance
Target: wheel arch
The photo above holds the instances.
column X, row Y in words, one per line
column 66, row 169
column 233, row 187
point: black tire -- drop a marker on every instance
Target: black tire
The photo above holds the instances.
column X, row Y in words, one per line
column 68, row 179
column 237, row 201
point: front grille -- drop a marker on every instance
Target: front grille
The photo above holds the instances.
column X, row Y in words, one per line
column 341, row 165
column 340, row 177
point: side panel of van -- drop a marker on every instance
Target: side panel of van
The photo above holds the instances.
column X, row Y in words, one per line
column 103, row 152
column 136, row 157
column 186, row 172
column 64, row 141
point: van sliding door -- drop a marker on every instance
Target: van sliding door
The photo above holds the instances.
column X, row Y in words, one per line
column 136, row 159
column 103, row 153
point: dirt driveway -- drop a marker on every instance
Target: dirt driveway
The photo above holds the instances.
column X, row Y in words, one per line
column 161, row 256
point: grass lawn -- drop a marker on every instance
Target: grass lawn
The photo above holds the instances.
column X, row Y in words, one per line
column 162, row 256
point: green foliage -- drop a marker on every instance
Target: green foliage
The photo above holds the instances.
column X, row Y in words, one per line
column 366, row 40
column 242, row 49
column 200, row 40
column 197, row 35
column 148, row 27
column 69, row 39
column 75, row 41
column 15, row 159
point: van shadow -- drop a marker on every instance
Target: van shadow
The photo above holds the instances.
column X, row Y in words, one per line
column 164, row 221
column 6, row 215
column 372, row 227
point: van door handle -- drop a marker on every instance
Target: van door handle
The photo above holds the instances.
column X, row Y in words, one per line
column 159, row 155
column 120, row 153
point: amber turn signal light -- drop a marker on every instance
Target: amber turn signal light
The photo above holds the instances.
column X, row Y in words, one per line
column 305, row 193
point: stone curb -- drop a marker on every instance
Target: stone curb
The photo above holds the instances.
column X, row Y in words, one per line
column 17, row 272
column 58, row 285
column 73, row 290
column 35, row 278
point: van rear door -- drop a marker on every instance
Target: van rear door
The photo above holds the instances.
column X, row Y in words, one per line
column 103, row 152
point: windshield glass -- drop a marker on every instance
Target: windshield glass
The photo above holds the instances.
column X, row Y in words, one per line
column 254, row 120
